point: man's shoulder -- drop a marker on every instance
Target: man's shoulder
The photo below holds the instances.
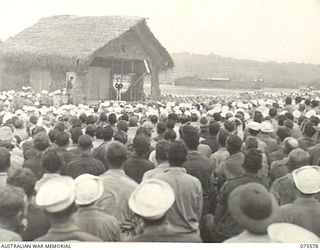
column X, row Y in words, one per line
column 6, row 235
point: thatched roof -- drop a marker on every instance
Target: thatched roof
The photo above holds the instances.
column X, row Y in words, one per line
column 68, row 40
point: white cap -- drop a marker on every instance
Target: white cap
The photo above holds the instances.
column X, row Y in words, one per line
column 307, row 179
column 254, row 125
column 56, row 194
column 290, row 233
column 88, row 189
column 152, row 199
column 266, row 127
column 311, row 113
column 296, row 114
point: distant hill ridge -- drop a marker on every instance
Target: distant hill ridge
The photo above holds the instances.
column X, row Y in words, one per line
column 214, row 66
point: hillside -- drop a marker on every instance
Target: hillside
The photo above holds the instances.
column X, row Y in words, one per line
column 213, row 66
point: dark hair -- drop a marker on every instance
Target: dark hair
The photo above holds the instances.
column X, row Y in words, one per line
column 51, row 160
column 289, row 116
column 24, row 178
column 154, row 119
column 184, row 119
column 112, row 118
column 191, row 137
column 162, row 149
column 177, row 154
column 309, row 129
column 314, row 103
column 120, row 137
column 222, row 137
column 234, row 144
column 252, row 161
column 91, row 130
column 61, row 139
column 41, row 141
column 161, row 128
column 170, row 135
column 288, row 100
column 173, row 116
column 83, row 117
column 194, row 117
column 99, row 132
column 33, row 119
column 171, row 123
column 59, row 126
column 253, row 132
column 52, row 134
column 273, row 112
column 103, row 117
column 283, row 133
column 140, row 144
column 257, row 116
column 75, row 134
column 90, row 120
column 4, row 159
column 298, row 99
column 38, row 129
column 217, row 117
column 251, row 142
column 116, row 154
column 107, row 133
column 12, row 201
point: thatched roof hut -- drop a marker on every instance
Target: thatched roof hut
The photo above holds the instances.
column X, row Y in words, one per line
column 74, row 43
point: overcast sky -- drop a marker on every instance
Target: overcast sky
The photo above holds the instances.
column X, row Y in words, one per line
column 277, row 30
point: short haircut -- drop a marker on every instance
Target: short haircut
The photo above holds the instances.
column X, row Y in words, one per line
column 24, row 178
column 51, row 161
column 61, row 139
column 140, row 144
column 214, row 128
column 90, row 120
column 217, row 117
column 4, row 159
column 84, row 142
column 309, row 129
column 288, row 100
column 91, row 130
column 171, row 123
column 107, row 133
column 290, row 143
column 38, row 129
column 103, row 117
column 252, row 160
column 283, row 132
column 99, row 132
column 116, row 154
column 83, row 117
column 257, row 116
column 52, row 134
column 143, row 131
column 234, row 144
column 173, row 116
column 162, row 149
column 112, row 118
column 120, row 137
column 298, row 158
column 191, row 137
column 177, row 154
column 75, row 134
column 154, row 119
column 251, row 142
column 60, row 126
column 222, row 137
column 12, row 201
column 161, row 127
column 194, row 117
column 41, row 141
column 170, row 135
column 272, row 112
